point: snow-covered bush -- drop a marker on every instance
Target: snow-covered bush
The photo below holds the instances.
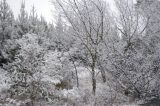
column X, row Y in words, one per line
column 25, row 71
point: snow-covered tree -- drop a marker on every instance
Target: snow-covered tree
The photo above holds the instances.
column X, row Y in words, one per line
column 88, row 20
column 25, row 71
column 135, row 68
column 6, row 20
column 6, row 28
column 33, row 19
column 23, row 20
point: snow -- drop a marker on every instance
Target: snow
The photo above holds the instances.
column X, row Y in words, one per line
column 47, row 78
column 3, row 80
column 71, row 93
column 130, row 105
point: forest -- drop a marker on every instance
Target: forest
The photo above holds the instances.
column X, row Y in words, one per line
column 90, row 55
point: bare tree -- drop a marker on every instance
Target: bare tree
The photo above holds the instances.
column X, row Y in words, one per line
column 129, row 63
column 87, row 19
column 130, row 22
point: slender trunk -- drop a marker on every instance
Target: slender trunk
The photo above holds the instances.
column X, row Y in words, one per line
column 103, row 74
column 93, row 77
column 93, row 82
column 76, row 75
column 94, row 59
column 101, row 38
column 77, row 79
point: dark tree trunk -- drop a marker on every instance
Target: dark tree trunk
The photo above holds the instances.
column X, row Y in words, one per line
column 93, row 81
column 77, row 79
column 103, row 74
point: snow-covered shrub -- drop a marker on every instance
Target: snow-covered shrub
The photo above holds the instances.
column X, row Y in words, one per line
column 25, row 70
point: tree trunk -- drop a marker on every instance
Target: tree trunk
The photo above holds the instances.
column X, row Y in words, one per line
column 77, row 79
column 103, row 74
column 93, row 81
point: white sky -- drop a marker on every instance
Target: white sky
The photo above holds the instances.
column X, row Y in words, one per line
column 43, row 7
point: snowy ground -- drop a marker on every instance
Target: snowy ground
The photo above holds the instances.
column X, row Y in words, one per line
column 85, row 82
column 85, row 85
